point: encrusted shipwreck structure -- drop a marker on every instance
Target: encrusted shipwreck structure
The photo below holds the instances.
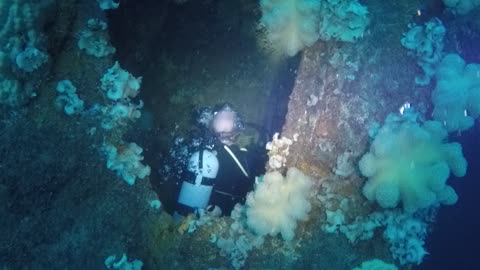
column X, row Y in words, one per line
column 76, row 189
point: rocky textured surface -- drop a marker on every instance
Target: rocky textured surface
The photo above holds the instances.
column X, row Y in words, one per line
column 341, row 89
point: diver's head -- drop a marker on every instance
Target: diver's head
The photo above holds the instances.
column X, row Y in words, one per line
column 226, row 124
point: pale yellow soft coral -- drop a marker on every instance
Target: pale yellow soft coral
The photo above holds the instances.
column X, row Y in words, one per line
column 291, row 25
column 410, row 162
column 278, row 203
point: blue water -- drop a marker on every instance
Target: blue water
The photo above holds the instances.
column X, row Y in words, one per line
column 454, row 241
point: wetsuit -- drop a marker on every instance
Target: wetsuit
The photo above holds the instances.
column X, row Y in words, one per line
column 234, row 179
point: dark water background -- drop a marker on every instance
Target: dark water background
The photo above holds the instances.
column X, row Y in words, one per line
column 453, row 243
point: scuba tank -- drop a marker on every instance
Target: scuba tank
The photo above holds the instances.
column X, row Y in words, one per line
column 198, row 184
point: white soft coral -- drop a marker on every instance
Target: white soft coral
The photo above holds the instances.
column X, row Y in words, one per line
column 291, row 24
column 278, row 203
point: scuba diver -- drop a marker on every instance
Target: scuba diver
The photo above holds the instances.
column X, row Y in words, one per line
column 221, row 172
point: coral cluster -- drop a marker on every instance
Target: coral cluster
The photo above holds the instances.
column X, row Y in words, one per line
column 457, row 94
column 68, row 98
column 23, row 54
column 292, row 25
column 278, row 203
column 126, row 161
column 278, row 150
column 425, row 43
column 409, row 162
column 120, row 86
column 344, row 20
column 94, row 41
